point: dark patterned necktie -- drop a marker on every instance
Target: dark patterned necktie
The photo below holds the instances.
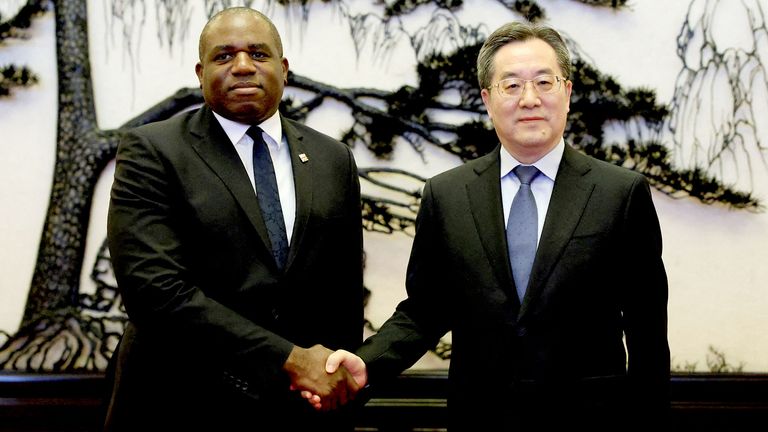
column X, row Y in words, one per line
column 269, row 198
column 522, row 229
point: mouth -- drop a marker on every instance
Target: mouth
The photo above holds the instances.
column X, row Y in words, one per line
column 244, row 84
column 245, row 87
column 530, row 119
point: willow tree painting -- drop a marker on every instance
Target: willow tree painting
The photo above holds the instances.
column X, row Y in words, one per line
column 63, row 329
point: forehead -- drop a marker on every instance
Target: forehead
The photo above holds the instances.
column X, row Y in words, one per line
column 238, row 29
column 531, row 56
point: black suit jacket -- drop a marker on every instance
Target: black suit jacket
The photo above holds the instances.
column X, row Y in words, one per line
column 598, row 277
column 212, row 319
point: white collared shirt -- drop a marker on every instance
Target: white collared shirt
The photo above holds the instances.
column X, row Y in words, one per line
column 541, row 186
column 281, row 159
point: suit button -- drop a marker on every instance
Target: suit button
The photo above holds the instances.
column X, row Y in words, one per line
column 522, row 331
column 275, row 314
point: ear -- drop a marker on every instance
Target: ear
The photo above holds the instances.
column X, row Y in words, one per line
column 486, row 95
column 199, row 72
column 284, row 62
column 568, row 89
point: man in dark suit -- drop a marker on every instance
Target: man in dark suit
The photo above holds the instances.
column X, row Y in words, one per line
column 231, row 301
column 546, row 350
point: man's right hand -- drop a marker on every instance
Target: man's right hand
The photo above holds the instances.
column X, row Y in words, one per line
column 324, row 390
column 354, row 364
column 338, row 361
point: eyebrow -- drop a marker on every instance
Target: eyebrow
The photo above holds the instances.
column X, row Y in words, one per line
column 253, row 47
column 543, row 71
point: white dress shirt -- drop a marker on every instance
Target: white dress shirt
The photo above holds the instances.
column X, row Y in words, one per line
column 281, row 160
column 541, row 186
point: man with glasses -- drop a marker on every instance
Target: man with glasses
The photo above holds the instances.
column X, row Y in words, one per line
column 543, row 262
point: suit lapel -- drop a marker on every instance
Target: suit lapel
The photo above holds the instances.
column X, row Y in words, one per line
column 214, row 147
column 569, row 198
column 301, row 161
column 484, row 193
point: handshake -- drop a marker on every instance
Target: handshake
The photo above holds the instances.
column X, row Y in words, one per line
column 326, row 379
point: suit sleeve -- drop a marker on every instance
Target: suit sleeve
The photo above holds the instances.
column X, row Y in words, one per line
column 422, row 318
column 645, row 300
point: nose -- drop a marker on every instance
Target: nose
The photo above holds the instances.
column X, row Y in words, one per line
column 529, row 95
column 242, row 64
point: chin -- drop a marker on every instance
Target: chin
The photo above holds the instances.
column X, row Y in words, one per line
column 535, row 140
column 249, row 113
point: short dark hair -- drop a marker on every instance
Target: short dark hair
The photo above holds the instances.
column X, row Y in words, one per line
column 240, row 10
column 518, row 32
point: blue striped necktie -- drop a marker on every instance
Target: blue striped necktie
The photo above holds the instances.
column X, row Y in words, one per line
column 269, row 197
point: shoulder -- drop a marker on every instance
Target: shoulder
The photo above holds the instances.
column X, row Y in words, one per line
column 468, row 171
column 601, row 171
column 163, row 135
column 311, row 135
column 163, row 139
column 317, row 144
column 329, row 156
column 172, row 124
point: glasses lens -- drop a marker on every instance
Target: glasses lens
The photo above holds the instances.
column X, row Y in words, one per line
column 542, row 84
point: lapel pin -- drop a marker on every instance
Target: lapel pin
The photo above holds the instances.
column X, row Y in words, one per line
column 303, row 157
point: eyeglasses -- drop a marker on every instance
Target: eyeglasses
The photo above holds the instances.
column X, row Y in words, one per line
column 543, row 84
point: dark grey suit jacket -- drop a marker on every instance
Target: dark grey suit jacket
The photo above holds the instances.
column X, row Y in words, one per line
column 598, row 277
column 212, row 319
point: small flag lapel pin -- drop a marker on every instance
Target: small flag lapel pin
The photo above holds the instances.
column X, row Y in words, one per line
column 303, row 157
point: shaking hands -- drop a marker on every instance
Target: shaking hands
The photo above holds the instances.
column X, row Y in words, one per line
column 326, row 379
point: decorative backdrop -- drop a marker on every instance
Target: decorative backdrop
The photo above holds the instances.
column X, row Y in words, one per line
column 677, row 92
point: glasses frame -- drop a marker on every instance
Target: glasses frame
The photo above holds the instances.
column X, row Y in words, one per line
column 555, row 88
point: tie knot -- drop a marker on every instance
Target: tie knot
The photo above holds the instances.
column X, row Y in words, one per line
column 526, row 173
column 255, row 133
